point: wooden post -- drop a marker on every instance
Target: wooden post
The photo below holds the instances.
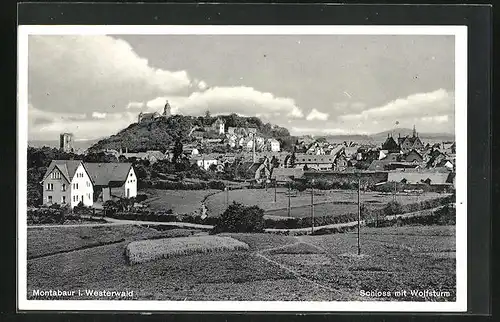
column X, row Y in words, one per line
column 312, row 209
column 275, row 191
column 359, row 215
column 227, row 197
column 289, row 199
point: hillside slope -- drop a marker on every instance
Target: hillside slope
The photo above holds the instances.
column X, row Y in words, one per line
column 161, row 133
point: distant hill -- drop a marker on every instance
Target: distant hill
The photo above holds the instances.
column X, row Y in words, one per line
column 403, row 131
column 161, row 134
column 78, row 144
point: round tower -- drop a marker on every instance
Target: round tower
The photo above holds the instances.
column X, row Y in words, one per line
column 167, row 110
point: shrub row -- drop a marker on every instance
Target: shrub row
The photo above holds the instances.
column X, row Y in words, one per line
column 389, row 187
column 444, row 216
column 54, row 215
column 172, row 185
column 367, row 213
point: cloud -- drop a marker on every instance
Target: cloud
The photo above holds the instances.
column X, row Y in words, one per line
column 98, row 115
column 224, row 100
column 71, row 73
column 436, row 119
column 416, row 105
column 47, row 125
column 202, row 85
column 317, row 115
column 135, row 105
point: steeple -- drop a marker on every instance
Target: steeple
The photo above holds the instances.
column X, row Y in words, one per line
column 414, row 131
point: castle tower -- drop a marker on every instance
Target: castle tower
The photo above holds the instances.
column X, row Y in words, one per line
column 66, row 142
column 167, row 110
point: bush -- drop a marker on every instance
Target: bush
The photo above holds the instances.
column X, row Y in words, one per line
column 141, row 197
column 54, row 214
column 240, row 219
column 393, row 208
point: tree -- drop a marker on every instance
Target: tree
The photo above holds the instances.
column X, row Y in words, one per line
column 212, row 167
column 238, row 218
column 178, row 148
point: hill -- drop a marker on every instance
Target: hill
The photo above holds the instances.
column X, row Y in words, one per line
column 403, row 131
column 77, row 144
column 161, row 134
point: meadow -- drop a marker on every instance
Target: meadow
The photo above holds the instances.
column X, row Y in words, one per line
column 273, row 268
column 327, row 202
column 180, row 201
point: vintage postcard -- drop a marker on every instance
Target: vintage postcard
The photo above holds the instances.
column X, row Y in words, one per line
column 242, row 168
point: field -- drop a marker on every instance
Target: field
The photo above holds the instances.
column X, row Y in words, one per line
column 327, row 202
column 180, row 201
column 147, row 250
column 273, row 268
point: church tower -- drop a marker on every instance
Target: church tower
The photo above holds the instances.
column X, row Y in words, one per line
column 414, row 131
column 167, row 110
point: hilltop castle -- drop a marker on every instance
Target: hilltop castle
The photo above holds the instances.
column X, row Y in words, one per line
column 144, row 117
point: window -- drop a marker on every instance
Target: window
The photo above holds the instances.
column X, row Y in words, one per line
column 55, row 175
column 63, row 187
column 49, row 198
column 50, row 186
column 130, row 173
column 63, row 199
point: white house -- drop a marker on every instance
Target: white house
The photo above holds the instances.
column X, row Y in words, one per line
column 113, row 180
column 205, row 161
column 67, row 182
column 273, row 145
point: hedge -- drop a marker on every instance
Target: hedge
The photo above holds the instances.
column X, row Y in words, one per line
column 443, row 216
column 55, row 215
column 366, row 213
column 172, row 185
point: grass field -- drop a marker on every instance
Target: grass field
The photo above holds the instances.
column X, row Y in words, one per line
column 274, row 268
column 180, row 201
column 347, row 201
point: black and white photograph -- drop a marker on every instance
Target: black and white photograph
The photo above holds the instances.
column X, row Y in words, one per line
column 225, row 168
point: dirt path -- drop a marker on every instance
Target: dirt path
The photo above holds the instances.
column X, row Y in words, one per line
column 118, row 222
column 262, row 254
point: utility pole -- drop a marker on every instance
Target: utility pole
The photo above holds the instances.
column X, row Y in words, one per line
column 275, row 191
column 359, row 215
column 312, row 207
column 289, row 199
column 394, row 194
column 227, row 197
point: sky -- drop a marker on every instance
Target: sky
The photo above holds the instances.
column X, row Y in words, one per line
column 95, row 85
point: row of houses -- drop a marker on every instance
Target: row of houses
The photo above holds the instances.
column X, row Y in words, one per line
column 69, row 182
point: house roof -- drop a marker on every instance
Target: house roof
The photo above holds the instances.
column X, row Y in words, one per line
column 102, row 174
column 67, row 168
column 418, row 177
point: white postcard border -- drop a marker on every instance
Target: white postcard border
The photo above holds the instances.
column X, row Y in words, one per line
column 460, row 33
